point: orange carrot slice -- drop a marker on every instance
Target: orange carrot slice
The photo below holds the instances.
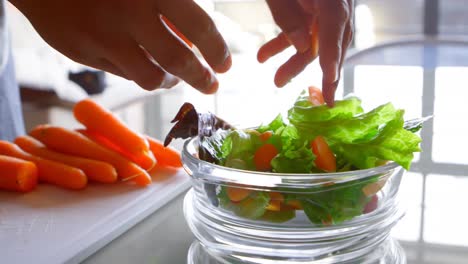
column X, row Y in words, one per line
column 325, row 159
column 266, row 135
column 316, row 96
column 236, row 194
column 276, row 199
column 263, row 157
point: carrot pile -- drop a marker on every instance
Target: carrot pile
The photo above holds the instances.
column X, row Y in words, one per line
column 105, row 151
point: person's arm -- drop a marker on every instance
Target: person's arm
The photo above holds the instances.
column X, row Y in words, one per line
column 130, row 39
column 303, row 23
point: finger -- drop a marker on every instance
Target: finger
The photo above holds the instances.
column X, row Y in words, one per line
column 104, row 65
column 273, row 47
column 173, row 55
column 289, row 16
column 291, row 68
column 132, row 61
column 198, row 27
column 333, row 18
column 348, row 34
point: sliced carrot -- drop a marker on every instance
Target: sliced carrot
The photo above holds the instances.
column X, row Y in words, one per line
column 236, row 194
column 296, row 204
column 176, row 31
column 263, row 157
column 147, row 162
column 99, row 120
column 165, row 156
column 48, row 171
column 266, row 135
column 276, row 199
column 95, row 170
column 325, row 159
column 73, row 143
column 17, row 174
column 316, row 96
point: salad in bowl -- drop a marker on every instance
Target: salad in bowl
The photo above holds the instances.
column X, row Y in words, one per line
column 317, row 166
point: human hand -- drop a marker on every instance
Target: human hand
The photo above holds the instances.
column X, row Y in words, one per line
column 321, row 28
column 130, row 39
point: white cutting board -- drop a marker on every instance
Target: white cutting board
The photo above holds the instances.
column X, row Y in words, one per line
column 52, row 225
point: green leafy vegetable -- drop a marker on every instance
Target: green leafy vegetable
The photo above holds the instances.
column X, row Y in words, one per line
column 252, row 207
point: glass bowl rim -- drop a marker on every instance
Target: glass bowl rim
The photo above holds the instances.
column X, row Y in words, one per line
column 243, row 176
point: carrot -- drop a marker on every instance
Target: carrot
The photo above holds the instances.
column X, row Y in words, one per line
column 165, row 156
column 73, row 143
column 295, row 204
column 263, row 157
column 266, row 135
column 48, row 171
column 276, row 200
column 146, row 162
column 95, row 170
column 316, row 96
column 17, row 174
column 101, row 121
column 176, row 31
column 236, row 194
column 325, row 159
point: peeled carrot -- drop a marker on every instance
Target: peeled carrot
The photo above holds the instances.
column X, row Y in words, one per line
column 95, row 170
column 263, row 157
column 165, row 156
column 73, row 143
column 147, row 162
column 325, row 159
column 17, row 174
column 48, row 171
column 99, row 120
column 236, row 194
column 316, row 96
column 266, row 135
column 276, row 200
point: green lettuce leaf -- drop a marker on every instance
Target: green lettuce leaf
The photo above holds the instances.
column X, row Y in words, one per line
column 274, row 125
column 304, row 112
column 393, row 142
column 295, row 155
column 252, row 207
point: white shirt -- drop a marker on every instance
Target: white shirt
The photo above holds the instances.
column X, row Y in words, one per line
column 11, row 119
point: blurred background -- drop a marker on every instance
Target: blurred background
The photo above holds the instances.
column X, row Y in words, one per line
column 413, row 53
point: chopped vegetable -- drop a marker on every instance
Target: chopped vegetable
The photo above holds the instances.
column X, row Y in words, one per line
column 263, row 157
column 236, row 194
column 314, row 139
column 325, row 159
column 316, row 96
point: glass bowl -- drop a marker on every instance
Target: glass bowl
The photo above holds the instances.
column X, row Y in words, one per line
column 334, row 216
